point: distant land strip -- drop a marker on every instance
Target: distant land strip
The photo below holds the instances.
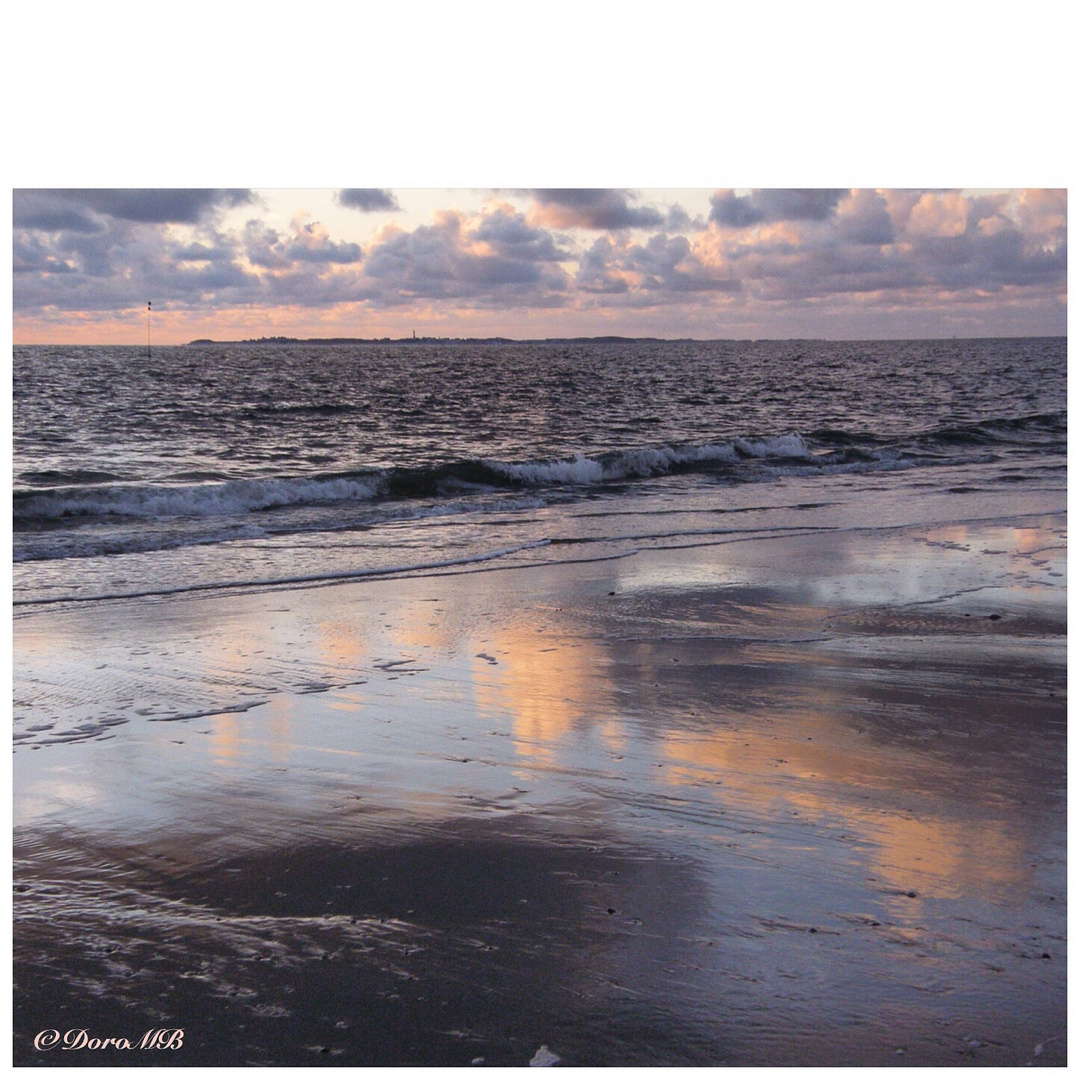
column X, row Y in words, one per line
column 422, row 340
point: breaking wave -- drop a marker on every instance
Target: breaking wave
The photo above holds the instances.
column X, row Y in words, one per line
column 48, row 518
column 246, row 496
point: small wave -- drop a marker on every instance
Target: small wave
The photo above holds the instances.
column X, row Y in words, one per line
column 231, row 508
column 156, row 501
column 583, row 471
column 1042, row 430
column 66, row 477
column 316, row 409
column 231, row 498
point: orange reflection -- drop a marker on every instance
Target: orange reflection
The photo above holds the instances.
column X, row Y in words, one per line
column 943, row 858
column 546, row 685
column 422, row 624
column 1027, row 541
column 950, row 534
column 867, row 789
column 340, row 646
column 225, row 739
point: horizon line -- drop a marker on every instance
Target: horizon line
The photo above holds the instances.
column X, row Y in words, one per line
column 284, row 339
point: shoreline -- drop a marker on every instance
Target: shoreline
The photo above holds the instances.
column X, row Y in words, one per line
column 799, row 801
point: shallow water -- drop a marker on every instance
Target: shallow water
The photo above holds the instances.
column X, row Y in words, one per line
column 211, row 466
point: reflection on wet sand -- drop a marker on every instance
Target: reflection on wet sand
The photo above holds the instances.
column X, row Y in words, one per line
column 686, row 809
column 544, row 683
column 904, row 838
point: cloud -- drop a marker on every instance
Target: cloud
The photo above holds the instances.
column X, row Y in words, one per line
column 367, row 200
column 766, row 205
column 1042, row 215
column 31, row 256
column 81, row 209
column 97, row 273
column 983, row 241
column 592, row 208
column 863, row 218
column 498, row 259
column 677, row 220
column 663, row 268
column 312, row 243
column 987, row 261
column 902, row 246
column 107, row 249
column 942, row 215
column 567, row 252
column 309, row 242
column 264, row 246
column 507, row 234
column 49, row 212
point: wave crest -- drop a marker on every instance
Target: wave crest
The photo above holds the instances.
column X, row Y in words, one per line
column 743, row 458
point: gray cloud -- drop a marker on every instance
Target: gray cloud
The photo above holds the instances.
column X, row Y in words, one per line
column 862, row 257
column 80, row 209
column 988, row 262
column 502, row 259
column 774, row 204
column 865, row 219
column 512, row 237
column 677, row 220
column 310, row 245
column 48, row 212
column 596, row 208
column 223, row 251
column 125, row 253
column 30, row 256
column 597, row 270
column 264, row 246
column 367, row 200
column 663, row 267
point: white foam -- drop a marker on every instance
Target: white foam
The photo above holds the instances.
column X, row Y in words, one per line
column 225, row 498
column 578, row 470
column 582, row 471
column 776, row 446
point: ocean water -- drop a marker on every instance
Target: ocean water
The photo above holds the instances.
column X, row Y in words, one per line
column 263, row 465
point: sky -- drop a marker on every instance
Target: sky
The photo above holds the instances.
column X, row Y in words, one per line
column 699, row 262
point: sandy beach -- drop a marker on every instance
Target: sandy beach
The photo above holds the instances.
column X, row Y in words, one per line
column 787, row 802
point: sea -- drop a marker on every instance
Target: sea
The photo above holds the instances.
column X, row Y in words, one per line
column 276, row 465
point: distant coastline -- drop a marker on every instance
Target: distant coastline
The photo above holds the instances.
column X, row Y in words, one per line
column 425, row 340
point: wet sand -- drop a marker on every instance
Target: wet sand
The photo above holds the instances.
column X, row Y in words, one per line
column 787, row 802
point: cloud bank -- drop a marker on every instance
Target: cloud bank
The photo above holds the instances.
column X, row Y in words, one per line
column 766, row 262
